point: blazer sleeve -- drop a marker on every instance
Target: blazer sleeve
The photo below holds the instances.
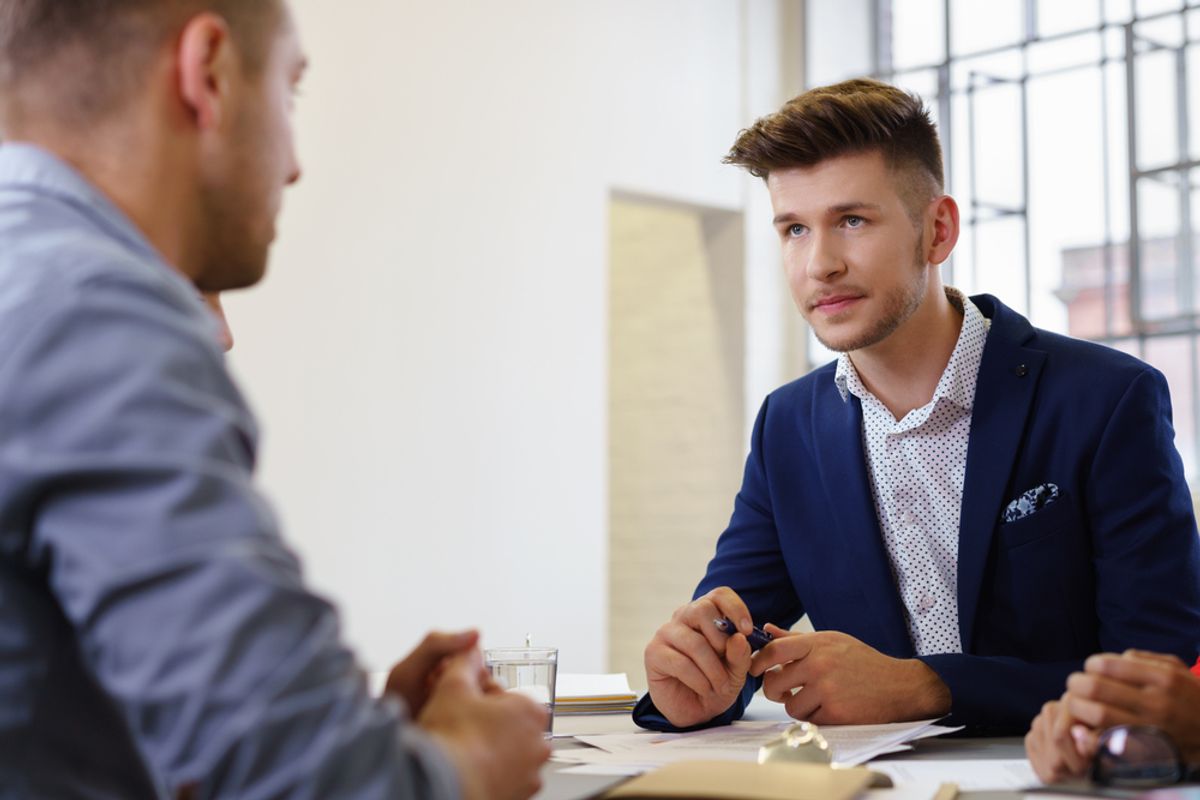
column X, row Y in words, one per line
column 1145, row 559
column 748, row 559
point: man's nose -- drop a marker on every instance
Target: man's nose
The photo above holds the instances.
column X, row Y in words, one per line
column 824, row 258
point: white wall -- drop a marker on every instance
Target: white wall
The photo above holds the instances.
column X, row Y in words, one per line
column 428, row 353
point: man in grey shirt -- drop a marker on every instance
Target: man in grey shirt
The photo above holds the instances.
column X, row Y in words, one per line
column 156, row 637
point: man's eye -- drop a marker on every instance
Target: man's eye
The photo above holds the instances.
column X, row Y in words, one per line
column 854, row 222
column 795, row 230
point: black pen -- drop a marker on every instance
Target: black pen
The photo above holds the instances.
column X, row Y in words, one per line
column 758, row 638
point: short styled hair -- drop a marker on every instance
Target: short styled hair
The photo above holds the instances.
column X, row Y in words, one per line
column 855, row 116
column 94, row 53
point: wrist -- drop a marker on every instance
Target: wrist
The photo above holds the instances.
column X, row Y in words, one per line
column 464, row 763
column 930, row 696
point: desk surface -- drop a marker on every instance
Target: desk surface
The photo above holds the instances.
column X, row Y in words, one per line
column 557, row 786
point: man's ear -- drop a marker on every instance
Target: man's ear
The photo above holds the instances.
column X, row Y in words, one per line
column 206, row 62
column 944, row 222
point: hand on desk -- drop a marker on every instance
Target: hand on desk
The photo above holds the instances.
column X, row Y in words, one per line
column 1134, row 688
column 694, row 671
column 495, row 738
column 844, row 681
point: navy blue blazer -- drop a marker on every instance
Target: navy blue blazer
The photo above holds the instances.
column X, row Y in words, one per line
column 1113, row 563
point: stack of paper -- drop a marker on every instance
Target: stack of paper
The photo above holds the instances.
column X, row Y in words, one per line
column 638, row 752
column 593, row 694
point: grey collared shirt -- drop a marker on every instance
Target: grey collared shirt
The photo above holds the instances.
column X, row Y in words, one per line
column 155, row 631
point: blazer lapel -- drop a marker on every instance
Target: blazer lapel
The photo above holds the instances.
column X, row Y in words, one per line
column 1004, row 391
column 837, row 430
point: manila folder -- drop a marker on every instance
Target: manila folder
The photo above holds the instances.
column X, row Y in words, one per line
column 727, row 780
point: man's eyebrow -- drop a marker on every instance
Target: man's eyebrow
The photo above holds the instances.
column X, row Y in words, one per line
column 840, row 208
column 853, row 205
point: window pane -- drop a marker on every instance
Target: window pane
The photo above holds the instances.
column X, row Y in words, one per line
column 1095, row 290
column 1066, row 204
column 1193, row 100
column 1118, row 152
column 1147, row 7
column 1157, row 120
column 918, row 33
column 1056, row 16
column 1073, row 51
column 1175, row 357
column 1158, row 219
column 977, row 25
column 921, row 82
column 997, row 260
column 1118, row 10
column 996, row 147
column 1003, row 66
column 837, row 40
column 1131, row 346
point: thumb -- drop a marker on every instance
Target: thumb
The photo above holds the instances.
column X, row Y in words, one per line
column 775, row 630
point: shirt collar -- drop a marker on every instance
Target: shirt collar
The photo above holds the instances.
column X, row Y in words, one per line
column 957, row 384
column 30, row 168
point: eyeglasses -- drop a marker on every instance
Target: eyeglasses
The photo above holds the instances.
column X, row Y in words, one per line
column 1138, row 756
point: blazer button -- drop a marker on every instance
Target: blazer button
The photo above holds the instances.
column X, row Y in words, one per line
column 1021, row 371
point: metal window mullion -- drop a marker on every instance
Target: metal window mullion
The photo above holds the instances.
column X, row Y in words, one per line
column 945, row 117
column 1025, row 176
column 1183, row 272
column 1106, row 182
column 1134, row 249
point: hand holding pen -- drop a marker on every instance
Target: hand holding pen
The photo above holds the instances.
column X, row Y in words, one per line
column 695, row 667
column 758, row 638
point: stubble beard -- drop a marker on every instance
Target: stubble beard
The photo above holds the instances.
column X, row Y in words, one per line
column 898, row 306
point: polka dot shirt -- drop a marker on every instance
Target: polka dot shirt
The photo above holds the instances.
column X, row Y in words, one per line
column 916, row 467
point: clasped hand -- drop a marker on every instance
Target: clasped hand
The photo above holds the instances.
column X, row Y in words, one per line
column 495, row 738
column 1134, row 688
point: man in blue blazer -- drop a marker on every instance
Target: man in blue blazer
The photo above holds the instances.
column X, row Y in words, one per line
column 965, row 506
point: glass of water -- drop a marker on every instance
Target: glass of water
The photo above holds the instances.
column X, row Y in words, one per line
column 528, row 670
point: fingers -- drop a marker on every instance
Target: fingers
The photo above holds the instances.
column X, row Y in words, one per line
column 804, row 705
column 726, row 603
column 1052, row 747
column 737, row 656
column 783, row 650
column 668, row 663
column 437, row 645
column 1120, row 695
column 1087, row 741
column 1063, row 741
column 1135, row 670
column 697, row 649
column 779, row 684
column 460, row 673
column 1097, row 715
column 1162, row 658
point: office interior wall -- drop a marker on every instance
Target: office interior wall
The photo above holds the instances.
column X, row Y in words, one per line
column 428, row 352
column 676, row 370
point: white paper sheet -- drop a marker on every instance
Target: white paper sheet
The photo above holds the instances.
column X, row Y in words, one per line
column 980, row 774
column 851, row 744
column 574, row 684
